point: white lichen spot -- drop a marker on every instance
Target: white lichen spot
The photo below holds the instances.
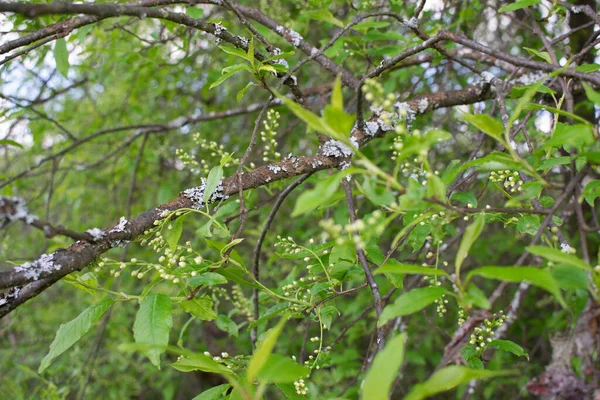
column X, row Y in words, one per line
column 120, row 227
column 354, row 142
column 96, row 233
column 371, row 128
column 14, row 209
column 334, row 148
column 44, row 264
column 487, row 77
column 423, row 104
column 411, row 23
column 219, row 29
column 275, row 169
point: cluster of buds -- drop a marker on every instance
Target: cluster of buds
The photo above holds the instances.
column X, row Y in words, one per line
column 483, row 335
column 267, row 136
column 510, row 180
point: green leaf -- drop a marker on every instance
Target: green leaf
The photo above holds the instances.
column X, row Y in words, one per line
column 541, row 54
column 212, row 182
column 591, row 192
column 250, row 52
column 235, row 52
column 242, row 92
column 208, row 279
column 591, row 94
column 323, row 15
column 337, row 99
column 263, row 351
column 586, row 68
column 9, row 142
column 61, row 57
column 194, row 12
column 558, row 257
column 465, row 198
column 393, row 266
column 200, row 362
column 411, row 302
column 486, row 124
column 535, row 276
column 517, row 5
column 471, row 234
column 69, row 333
column 436, row 188
column 172, row 232
column 225, row 323
column 201, row 307
column 312, row 120
column 214, row 393
column 322, row 192
column 568, row 136
column 279, row 369
column 534, row 106
column 569, row 277
column 475, row 296
column 510, row 347
column 448, row 378
column 152, row 325
column 384, row 370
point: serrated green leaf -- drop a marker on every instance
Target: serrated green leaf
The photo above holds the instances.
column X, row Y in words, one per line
column 208, row 279
column 226, row 324
column 8, row 142
column 486, row 124
column 465, row 198
column 212, row 182
column 201, row 307
column 535, row 276
column 471, row 234
column 410, row 302
column 263, row 351
column 194, row 12
column 591, row 192
column 214, row 393
column 200, row 362
column 384, row 370
column 591, row 94
column 323, row 15
column 517, row 5
column 61, row 57
column 559, row 257
column 313, row 198
column 152, row 325
column 279, row 369
column 541, row 54
column 69, row 333
column 448, row 378
column 392, row 266
column 508, row 346
column 172, row 232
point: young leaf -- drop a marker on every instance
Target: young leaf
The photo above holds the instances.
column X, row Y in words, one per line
column 471, row 234
column 486, row 124
column 535, row 276
column 517, row 5
column 208, row 279
column 201, row 307
column 194, row 12
column 250, row 52
column 8, row 142
column 541, row 54
column 212, row 182
column 200, row 362
column 591, row 94
column 508, row 346
column 383, row 371
column 559, row 257
column 411, row 302
column 242, row 92
column 214, row 393
column 172, row 232
column 591, row 192
column 465, row 198
column 69, row 333
column 61, row 57
column 311, row 199
column 392, row 266
column 337, row 99
column 448, row 378
column 323, row 15
column 280, row 369
column 153, row 323
column 262, row 353
column 225, row 323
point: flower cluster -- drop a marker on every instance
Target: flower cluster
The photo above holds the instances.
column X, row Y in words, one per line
column 483, row 335
column 507, row 179
column 267, row 136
